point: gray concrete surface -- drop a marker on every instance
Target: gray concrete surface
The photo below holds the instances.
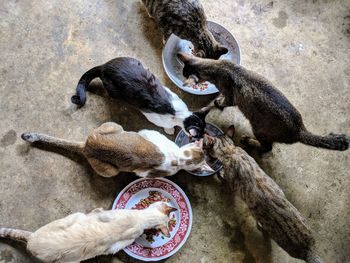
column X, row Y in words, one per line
column 301, row 46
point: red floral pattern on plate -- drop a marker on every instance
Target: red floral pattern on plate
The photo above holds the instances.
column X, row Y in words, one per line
column 185, row 223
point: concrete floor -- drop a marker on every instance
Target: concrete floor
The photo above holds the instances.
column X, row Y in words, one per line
column 302, row 47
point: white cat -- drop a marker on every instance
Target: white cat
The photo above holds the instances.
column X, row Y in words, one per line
column 82, row 236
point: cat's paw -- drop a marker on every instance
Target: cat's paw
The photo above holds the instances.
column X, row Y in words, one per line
column 221, row 174
column 29, row 137
column 169, row 131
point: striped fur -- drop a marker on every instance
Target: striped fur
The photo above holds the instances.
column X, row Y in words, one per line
column 187, row 20
column 265, row 199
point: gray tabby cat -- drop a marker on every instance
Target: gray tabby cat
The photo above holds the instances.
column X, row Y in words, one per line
column 272, row 117
column 187, row 20
column 265, row 199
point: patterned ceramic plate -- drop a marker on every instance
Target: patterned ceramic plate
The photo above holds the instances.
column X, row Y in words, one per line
column 173, row 66
column 182, row 139
column 152, row 245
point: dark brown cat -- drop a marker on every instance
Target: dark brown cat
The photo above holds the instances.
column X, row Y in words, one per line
column 272, row 117
column 265, row 199
column 187, row 20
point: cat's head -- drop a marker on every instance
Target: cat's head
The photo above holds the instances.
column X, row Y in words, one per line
column 217, row 145
column 193, row 158
column 164, row 210
column 197, row 70
column 195, row 124
column 208, row 47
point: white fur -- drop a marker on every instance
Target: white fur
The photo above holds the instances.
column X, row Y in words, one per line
column 171, row 152
column 168, row 121
column 82, row 236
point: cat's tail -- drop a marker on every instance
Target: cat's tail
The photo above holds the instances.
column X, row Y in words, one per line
column 53, row 141
column 339, row 142
column 14, row 234
column 80, row 97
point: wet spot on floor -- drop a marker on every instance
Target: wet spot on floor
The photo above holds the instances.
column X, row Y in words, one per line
column 23, row 149
column 8, row 139
column 281, row 20
column 6, row 256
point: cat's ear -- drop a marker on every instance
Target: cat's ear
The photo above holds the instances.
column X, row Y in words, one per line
column 230, row 132
column 184, row 57
column 221, row 50
column 206, row 168
column 203, row 112
column 208, row 141
column 199, row 143
column 165, row 209
column 164, row 229
column 168, row 209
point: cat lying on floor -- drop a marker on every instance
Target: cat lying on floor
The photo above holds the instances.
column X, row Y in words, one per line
column 82, row 236
column 272, row 117
column 127, row 80
column 110, row 150
column 265, row 199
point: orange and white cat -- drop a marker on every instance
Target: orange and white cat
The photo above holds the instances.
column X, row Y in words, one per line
column 82, row 236
column 110, row 150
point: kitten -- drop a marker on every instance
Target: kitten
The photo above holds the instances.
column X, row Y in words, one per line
column 187, row 20
column 126, row 79
column 265, row 199
column 82, row 236
column 110, row 150
column 272, row 117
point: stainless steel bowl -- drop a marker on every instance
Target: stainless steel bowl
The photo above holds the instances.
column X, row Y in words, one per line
column 182, row 139
column 173, row 66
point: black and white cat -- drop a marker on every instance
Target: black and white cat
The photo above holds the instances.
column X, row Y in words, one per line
column 126, row 79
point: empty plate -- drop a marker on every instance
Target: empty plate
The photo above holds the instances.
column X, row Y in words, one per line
column 173, row 66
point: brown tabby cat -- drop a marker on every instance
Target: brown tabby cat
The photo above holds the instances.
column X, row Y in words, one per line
column 187, row 20
column 272, row 117
column 110, row 150
column 265, row 199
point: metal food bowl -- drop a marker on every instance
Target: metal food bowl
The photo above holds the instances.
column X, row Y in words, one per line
column 173, row 66
column 182, row 139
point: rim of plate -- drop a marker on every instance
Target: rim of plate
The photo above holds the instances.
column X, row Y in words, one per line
column 183, row 241
column 189, row 90
column 190, row 172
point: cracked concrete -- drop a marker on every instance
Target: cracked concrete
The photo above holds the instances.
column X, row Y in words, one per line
column 302, row 47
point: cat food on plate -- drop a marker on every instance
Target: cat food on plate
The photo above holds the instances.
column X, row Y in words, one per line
column 153, row 245
column 173, row 66
column 182, row 139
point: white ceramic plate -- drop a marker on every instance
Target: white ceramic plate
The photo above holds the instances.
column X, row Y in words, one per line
column 152, row 245
column 173, row 66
